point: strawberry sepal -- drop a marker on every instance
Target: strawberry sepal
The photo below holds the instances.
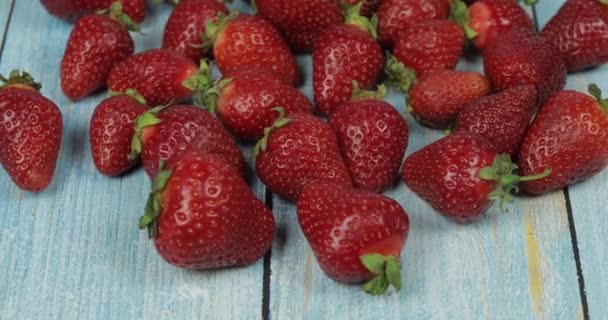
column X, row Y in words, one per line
column 399, row 76
column 131, row 93
column 360, row 94
column 203, row 86
column 154, row 205
column 115, row 11
column 387, row 272
column 596, row 92
column 214, row 28
column 20, row 79
column 353, row 17
column 146, row 119
column 460, row 14
column 280, row 122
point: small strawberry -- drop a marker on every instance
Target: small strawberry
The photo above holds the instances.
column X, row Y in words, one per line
column 523, row 57
column 373, row 137
column 355, row 235
column 111, row 131
column 73, row 9
column 97, row 43
column 343, row 54
column 300, row 21
column 580, row 31
column 461, row 175
column 202, row 215
column 502, row 118
column 185, row 25
column 297, row 151
column 243, row 40
column 30, row 132
column 569, row 135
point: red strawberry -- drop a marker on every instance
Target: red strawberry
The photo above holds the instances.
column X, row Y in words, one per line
column 185, row 25
column 486, row 20
column 355, row 235
column 502, row 118
column 368, row 8
column 396, row 16
column 97, row 43
column 111, row 132
column 250, row 41
column 202, row 215
column 580, row 31
column 461, row 175
column 300, row 21
column 569, row 135
column 373, row 137
column 343, row 54
column 298, row 151
column 166, row 134
column 524, row 57
column 160, row 76
column 73, row 9
column 30, row 132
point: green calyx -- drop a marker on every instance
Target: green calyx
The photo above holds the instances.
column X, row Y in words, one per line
column 360, row 94
column 534, row 2
column 214, row 28
column 115, row 12
column 146, row 119
column 502, row 171
column 131, row 93
column 262, row 144
column 206, row 90
column 387, row 271
column 604, row 1
column 154, row 205
column 399, row 76
column 596, row 92
column 352, row 16
column 19, row 78
column 460, row 14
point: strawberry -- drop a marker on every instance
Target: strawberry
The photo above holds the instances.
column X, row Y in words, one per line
column 523, row 57
column 502, row 118
column 297, row 151
column 343, row 54
column 300, row 21
column 486, row 20
column 461, row 175
column 111, row 131
column 30, row 132
column 373, row 137
column 368, row 8
column 97, row 43
column 73, row 9
column 569, row 135
column 580, row 31
column 243, row 40
column 202, row 215
column 185, row 25
column 356, row 235
column 396, row 16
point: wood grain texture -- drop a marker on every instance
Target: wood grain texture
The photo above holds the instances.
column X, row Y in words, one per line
column 5, row 11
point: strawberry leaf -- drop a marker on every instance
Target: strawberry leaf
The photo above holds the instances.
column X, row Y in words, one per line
column 374, row 262
column 377, row 286
column 393, row 272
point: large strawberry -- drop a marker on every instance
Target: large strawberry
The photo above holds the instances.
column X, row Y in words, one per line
column 343, row 54
column 580, row 31
column 243, row 40
column 185, row 25
column 97, row 43
column 569, row 135
column 73, row 9
column 355, row 235
column 30, row 132
column 373, row 137
column 461, row 175
column 502, row 118
column 296, row 151
column 202, row 215
column 111, row 131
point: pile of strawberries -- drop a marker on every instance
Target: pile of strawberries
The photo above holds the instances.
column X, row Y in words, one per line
column 201, row 212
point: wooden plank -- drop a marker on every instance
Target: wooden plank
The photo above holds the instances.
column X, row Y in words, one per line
column 74, row 251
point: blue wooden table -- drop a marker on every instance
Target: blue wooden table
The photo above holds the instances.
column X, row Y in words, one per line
column 75, row 252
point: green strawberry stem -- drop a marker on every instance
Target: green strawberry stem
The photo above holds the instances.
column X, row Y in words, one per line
column 352, row 16
column 596, row 92
column 20, row 79
column 387, row 271
column 146, row 119
column 461, row 15
column 214, row 28
column 502, row 171
column 115, row 12
column 131, row 93
column 154, row 205
column 262, row 144
column 360, row 94
column 534, row 2
column 206, row 90
column 399, row 76
column 604, row 1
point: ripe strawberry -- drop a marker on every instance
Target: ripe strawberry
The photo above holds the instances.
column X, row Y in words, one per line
column 369, row 6
column 30, row 132
column 185, row 25
column 300, row 21
column 569, row 135
column 73, row 9
column 523, row 57
column 166, row 134
column 486, row 20
column 111, row 131
column 243, row 40
column 298, row 151
column 396, row 16
column 343, row 54
column 461, row 175
column 202, row 215
column 97, row 43
column 502, row 118
column 373, row 137
column 355, row 235
column 580, row 31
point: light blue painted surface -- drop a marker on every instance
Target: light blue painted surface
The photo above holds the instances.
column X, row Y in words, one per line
column 5, row 8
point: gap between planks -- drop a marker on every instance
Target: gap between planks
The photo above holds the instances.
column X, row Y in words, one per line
column 6, row 25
